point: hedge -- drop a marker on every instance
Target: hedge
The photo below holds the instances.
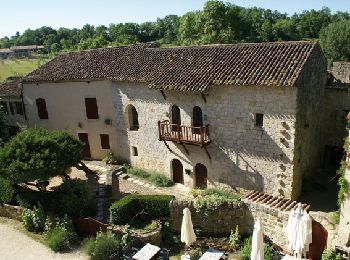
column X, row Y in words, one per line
column 7, row 191
column 156, row 206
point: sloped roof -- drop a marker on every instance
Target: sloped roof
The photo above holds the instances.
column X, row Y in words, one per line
column 192, row 68
column 10, row 88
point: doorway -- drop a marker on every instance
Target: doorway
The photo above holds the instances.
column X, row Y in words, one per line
column 178, row 175
column 197, row 119
column 84, row 137
column 332, row 156
column 175, row 117
column 201, row 176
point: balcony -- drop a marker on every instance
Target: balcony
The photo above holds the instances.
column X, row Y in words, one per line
column 184, row 134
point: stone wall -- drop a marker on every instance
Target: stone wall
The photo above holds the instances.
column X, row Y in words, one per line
column 10, row 211
column 307, row 148
column 341, row 71
column 242, row 155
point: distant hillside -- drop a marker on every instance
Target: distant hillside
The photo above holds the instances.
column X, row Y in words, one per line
column 18, row 67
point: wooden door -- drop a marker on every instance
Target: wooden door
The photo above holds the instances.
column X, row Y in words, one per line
column 175, row 117
column 84, row 137
column 319, row 240
column 178, row 174
column 201, row 176
column 197, row 119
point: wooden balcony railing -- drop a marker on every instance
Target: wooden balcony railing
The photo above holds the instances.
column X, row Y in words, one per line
column 183, row 134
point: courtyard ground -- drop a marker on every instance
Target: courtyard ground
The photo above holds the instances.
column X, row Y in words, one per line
column 16, row 244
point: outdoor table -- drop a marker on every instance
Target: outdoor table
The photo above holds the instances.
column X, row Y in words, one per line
column 212, row 254
column 147, row 252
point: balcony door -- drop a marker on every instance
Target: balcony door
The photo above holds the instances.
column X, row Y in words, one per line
column 175, row 117
column 178, row 173
column 197, row 119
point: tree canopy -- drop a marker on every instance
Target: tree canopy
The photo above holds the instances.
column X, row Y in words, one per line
column 38, row 154
column 3, row 128
column 218, row 22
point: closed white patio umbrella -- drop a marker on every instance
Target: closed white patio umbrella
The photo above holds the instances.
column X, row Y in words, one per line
column 258, row 241
column 187, row 232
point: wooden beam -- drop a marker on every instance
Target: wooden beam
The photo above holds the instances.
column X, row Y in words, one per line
column 204, row 98
column 163, row 94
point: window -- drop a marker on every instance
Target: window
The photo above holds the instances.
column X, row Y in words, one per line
column 133, row 118
column 3, row 105
column 104, row 141
column 42, row 111
column 11, row 108
column 134, row 151
column 19, row 108
column 91, row 108
column 259, row 120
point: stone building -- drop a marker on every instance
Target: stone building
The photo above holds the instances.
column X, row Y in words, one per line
column 11, row 102
column 230, row 116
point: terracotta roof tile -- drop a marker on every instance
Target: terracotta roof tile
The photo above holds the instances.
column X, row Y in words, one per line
column 10, row 88
column 192, row 68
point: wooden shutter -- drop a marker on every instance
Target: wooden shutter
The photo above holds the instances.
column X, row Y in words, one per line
column 91, row 108
column 42, row 111
column 104, row 141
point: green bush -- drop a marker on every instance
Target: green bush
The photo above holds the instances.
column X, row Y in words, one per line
column 139, row 173
column 330, row 254
column 105, row 246
column 34, row 219
column 156, row 206
column 246, row 249
column 160, row 180
column 109, row 159
column 59, row 239
column 74, row 198
column 7, row 192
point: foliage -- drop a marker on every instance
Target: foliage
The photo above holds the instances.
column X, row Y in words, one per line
column 155, row 206
column 210, row 200
column 195, row 253
column 59, row 239
column 34, row 219
column 335, row 217
column 7, row 192
column 335, row 45
column 38, row 154
column 126, row 238
column 235, row 238
column 109, row 159
column 3, row 128
column 245, row 251
column 157, row 179
column 330, row 254
column 74, row 197
column 342, row 182
column 105, row 246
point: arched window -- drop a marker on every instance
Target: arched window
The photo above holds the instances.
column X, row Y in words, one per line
column 178, row 175
column 133, row 118
column 197, row 119
column 175, row 117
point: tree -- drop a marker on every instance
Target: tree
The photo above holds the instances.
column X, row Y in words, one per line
column 38, row 154
column 335, row 41
column 3, row 127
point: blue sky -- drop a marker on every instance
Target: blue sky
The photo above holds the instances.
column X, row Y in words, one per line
column 18, row 15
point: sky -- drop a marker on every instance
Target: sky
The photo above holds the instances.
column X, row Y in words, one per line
column 18, row 15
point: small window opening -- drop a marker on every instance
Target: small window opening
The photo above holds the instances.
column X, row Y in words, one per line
column 133, row 118
column 104, row 141
column 19, row 108
column 134, row 151
column 259, row 120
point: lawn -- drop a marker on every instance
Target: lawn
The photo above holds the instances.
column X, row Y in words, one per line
column 18, row 67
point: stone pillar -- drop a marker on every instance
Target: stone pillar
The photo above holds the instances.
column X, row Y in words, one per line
column 115, row 185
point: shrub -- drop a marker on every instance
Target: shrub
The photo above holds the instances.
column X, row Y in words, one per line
column 74, row 197
column 88, row 246
column 160, row 180
column 235, row 238
column 7, row 191
column 330, row 254
column 246, row 249
column 139, row 173
column 34, row 220
column 109, row 159
column 59, row 239
column 156, row 206
column 106, row 246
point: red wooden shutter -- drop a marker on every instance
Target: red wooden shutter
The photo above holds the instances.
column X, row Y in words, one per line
column 104, row 141
column 42, row 111
column 91, row 108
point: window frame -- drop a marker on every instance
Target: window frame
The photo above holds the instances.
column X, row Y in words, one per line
column 259, row 120
column 105, row 144
column 91, row 108
column 42, row 108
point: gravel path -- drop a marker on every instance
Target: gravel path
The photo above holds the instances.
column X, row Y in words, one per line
column 15, row 245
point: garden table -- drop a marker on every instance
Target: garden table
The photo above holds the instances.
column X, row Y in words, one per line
column 147, row 252
column 212, row 254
